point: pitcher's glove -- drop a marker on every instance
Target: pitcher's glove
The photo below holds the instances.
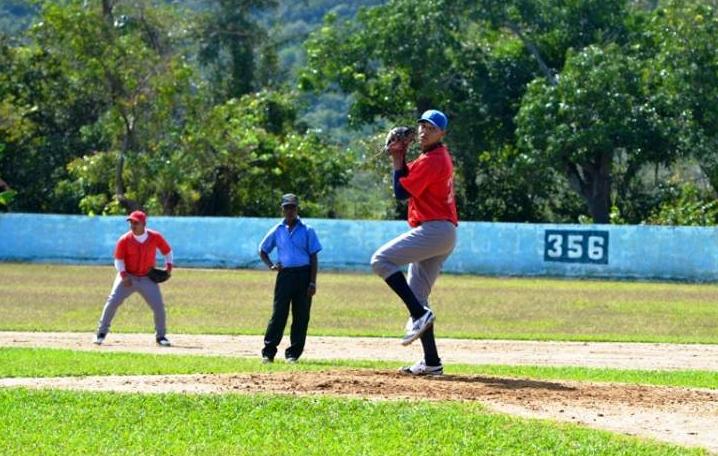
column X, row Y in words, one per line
column 399, row 138
column 158, row 275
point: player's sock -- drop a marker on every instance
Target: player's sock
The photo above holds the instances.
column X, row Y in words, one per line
column 398, row 283
column 431, row 354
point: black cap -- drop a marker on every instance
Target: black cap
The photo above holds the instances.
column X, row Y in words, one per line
column 290, row 199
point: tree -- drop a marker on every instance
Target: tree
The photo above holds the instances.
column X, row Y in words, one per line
column 42, row 111
column 684, row 37
column 472, row 59
column 596, row 111
column 248, row 152
column 121, row 51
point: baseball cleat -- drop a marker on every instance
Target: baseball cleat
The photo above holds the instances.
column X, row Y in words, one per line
column 99, row 338
column 415, row 328
column 163, row 342
column 267, row 360
column 291, row 360
column 421, row 369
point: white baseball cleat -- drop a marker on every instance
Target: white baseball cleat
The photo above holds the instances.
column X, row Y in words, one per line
column 421, row 369
column 415, row 328
column 163, row 342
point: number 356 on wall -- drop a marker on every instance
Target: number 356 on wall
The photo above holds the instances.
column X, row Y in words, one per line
column 576, row 246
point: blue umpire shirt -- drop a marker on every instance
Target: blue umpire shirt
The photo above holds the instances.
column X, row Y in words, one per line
column 293, row 248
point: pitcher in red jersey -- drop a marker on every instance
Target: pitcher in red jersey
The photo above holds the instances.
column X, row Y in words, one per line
column 428, row 184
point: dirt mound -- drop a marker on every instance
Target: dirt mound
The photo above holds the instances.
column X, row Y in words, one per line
column 678, row 415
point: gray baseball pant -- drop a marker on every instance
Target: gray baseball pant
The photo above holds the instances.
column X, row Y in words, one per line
column 424, row 249
column 148, row 289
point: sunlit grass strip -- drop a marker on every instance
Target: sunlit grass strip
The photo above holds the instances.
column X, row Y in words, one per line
column 25, row 362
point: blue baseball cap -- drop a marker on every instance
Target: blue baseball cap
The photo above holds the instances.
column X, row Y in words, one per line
column 436, row 118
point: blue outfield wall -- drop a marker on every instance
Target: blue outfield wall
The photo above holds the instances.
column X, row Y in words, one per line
column 507, row 249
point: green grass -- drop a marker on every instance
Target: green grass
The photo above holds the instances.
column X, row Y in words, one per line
column 60, row 422
column 70, row 298
column 27, row 362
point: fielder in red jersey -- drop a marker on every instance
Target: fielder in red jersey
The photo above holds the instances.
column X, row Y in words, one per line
column 134, row 257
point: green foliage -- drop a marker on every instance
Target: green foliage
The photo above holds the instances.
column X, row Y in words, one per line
column 6, row 197
column 685, row 76
column 234, row 49
column 550, row 103
column 596, row 111
column 249, row 152
column 689, row 207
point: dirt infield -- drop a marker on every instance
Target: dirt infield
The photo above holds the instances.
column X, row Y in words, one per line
column 678, row 415
column 586, row 354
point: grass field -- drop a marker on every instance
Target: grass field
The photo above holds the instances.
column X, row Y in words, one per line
column 28, row 362
column 69, row 298
column 102, row 423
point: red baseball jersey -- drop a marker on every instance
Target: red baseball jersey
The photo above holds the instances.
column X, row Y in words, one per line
column 430, row 183
column 139, row 257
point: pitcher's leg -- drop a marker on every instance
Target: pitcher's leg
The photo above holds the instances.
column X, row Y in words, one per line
column 422, row 276
column 387, row 261
column 117, row 296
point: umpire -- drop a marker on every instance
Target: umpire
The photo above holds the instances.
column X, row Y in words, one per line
column 297, row 247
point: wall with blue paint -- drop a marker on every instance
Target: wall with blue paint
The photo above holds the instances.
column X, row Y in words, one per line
column 643, row 252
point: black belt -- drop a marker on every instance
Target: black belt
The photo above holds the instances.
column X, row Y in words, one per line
column 296, row 269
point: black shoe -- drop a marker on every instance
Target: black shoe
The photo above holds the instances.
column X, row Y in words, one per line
column 267, row 360
column 163, row 342
column 99, row 338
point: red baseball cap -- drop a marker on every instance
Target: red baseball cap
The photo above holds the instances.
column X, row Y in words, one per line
column 138, row 216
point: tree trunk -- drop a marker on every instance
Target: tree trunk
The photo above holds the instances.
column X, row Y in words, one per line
column 593, row 183
column 128, row 204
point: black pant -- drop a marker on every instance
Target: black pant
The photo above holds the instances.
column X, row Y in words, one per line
column 291, row 287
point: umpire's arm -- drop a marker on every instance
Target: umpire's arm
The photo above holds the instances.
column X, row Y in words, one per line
column 313, row 268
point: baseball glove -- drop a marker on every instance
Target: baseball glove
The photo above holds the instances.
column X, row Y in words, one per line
column 158, row 275
column 403, row 135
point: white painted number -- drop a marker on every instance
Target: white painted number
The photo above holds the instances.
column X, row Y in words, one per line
column 595, row 247
column 555, row 241
column 574, row 246
column 575, row 250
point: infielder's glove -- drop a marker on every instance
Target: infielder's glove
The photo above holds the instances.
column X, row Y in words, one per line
column 402, row 135
column 158, row 275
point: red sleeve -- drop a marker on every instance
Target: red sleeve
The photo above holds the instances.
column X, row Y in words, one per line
column 120, row 249
column 422, row 174
column 162, row 244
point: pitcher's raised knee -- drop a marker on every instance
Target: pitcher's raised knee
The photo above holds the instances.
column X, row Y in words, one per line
column 382, row 266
